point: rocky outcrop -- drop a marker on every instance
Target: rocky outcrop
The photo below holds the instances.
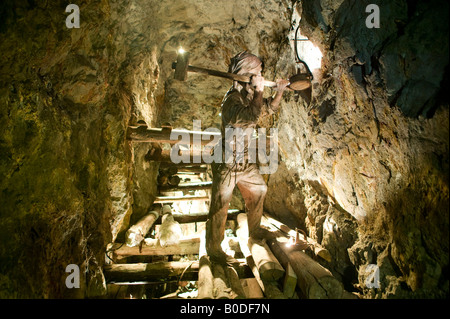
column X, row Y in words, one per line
column 374, row 140
column 64, row 164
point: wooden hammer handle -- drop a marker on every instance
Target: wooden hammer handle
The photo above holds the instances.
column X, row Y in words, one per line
column 231, row 76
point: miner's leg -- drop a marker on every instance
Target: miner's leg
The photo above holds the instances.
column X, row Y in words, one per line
column 253, row 190
column 222, row 191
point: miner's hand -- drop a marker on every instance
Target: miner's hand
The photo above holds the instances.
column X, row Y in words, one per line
column 282, row 85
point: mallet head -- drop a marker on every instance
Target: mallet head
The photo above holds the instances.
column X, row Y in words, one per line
column 181, row 66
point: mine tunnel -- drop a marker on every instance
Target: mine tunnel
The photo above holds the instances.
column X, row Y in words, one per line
column 106, row 121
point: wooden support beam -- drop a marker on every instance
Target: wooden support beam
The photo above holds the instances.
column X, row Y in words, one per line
column 136, row 233
column 186, row 246
column 187, row 187
column 171, row 199
column 215, row 280
column 142, row 133
column 192, row 157
column 205, row 276
column 317, row 249
column 199, row 217
column 314, row 280
column 151, row 271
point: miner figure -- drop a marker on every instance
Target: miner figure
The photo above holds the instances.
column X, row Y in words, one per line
column 242, row 107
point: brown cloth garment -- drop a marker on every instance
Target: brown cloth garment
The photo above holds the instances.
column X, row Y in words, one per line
column 238, row 111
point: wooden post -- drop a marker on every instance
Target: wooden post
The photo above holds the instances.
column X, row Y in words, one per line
column 205, row 276
column 136, row 233
column 165, row 158
column 314, row 280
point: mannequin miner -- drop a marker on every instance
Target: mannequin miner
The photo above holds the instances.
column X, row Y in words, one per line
column 242, row 106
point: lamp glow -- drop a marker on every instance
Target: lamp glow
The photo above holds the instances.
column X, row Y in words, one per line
column 181, row 50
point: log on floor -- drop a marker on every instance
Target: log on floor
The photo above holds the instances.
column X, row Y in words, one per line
column 188, row 187
column 268, row 266
column 314, row 280
column 199, row 170
column 171, row 199
column 158, row 271
column 269, row 288
column 289, row 282
column 317, row 249
column 188, row 158
column 136, row 233
column 215, row 280
column 251, row 288
column 221, row 288
column 170, row 232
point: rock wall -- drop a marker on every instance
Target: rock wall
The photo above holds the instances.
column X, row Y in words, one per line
column 373, row 143
column 64, row 164
column 363, row 166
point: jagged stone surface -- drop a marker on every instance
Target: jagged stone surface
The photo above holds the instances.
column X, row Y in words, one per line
column 375, row 143
column 363, row 167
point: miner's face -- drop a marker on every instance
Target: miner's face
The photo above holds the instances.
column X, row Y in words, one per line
column 256, row 71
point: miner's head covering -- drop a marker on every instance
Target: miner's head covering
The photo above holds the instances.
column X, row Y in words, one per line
column 244, row 62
